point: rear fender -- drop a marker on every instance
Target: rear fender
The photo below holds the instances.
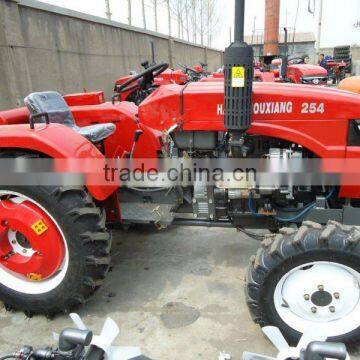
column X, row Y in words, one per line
column 58, row 142
column 14, row 116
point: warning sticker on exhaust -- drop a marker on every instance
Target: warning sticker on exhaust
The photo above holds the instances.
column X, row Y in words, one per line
column 238, row 77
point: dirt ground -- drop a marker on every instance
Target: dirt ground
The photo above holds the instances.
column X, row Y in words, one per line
column 177, row 294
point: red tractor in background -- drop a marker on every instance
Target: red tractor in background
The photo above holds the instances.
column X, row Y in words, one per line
column 138, row 88
column 133, row 88
column 340, row 64
column 336, row 70
column 297, row 72
column 307, row 74
column 54, row 245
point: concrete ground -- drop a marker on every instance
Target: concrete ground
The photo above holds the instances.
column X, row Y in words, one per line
column 177, row 294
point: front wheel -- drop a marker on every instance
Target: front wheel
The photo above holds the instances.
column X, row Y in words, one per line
column 54, row 248
column 306, row 277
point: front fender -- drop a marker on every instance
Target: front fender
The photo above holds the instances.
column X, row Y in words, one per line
column 58, row 142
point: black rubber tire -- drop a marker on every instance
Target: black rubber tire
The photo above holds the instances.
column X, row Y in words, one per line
column 88, row 242
column 289, row 249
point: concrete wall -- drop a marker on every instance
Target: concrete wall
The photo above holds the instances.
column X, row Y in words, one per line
column 43, row 47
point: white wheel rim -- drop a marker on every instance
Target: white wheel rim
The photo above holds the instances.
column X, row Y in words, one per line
column 320, row 293
column 17, row 283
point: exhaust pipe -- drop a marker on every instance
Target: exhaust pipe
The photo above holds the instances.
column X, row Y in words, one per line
column 239, row 74
column 284, row 64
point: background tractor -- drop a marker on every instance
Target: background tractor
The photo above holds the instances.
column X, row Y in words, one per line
column 135, row 87
column 295, row 69
column 54, row 245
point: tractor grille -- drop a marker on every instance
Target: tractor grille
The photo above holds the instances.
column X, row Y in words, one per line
column 314, row 80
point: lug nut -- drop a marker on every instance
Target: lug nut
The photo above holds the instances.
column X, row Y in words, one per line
column 321, row 287
column 307, row 297
column 13, row 242
column 337, row 295
column 332, row 309
column 313, row 309
column 24, row 251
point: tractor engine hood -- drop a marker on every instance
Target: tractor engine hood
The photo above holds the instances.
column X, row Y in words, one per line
column 200, row 106
column 309, row 70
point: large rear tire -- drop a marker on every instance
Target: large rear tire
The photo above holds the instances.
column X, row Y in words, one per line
column 306, row 277
column 80, row 239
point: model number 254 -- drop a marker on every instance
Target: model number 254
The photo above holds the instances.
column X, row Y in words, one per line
column 312, row 108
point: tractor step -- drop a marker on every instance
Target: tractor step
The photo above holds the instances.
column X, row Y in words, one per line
column 140, row 213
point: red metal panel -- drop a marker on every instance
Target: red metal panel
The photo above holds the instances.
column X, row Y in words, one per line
column 315, row 117
column 49, row 140
column 90, row 98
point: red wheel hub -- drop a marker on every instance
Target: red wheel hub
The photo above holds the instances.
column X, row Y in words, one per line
column 30, row 242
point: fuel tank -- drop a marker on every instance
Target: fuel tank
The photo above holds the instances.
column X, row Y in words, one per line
column 315, row 117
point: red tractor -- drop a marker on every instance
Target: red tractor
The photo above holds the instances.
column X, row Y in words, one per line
column 336, row 70
column 339, row 65
column 54, row 245
column 297, row 72
column 306, row 74
column 137, row 87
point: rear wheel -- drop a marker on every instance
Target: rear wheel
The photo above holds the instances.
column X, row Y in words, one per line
column 309, row 276
column 54, row 248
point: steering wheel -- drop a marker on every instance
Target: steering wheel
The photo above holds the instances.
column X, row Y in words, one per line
column 145, row 78
column 188, row 70
column 296, row 61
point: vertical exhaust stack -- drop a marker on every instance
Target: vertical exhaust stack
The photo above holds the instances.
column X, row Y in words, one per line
column 239, row 74
column 284, row 65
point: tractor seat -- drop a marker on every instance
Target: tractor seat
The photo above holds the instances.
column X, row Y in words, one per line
column 54, row 107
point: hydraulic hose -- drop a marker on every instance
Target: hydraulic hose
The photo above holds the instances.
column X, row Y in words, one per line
column 298, row 216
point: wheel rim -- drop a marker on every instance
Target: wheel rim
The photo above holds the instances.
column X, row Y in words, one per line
column 33, row 250
column 322, row 293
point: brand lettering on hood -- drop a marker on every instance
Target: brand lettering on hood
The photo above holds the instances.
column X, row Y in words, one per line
column 263, row 108
column 273, row 108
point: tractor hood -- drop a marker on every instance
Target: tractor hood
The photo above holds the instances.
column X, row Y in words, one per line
column 309, row 70
column 199, row 106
